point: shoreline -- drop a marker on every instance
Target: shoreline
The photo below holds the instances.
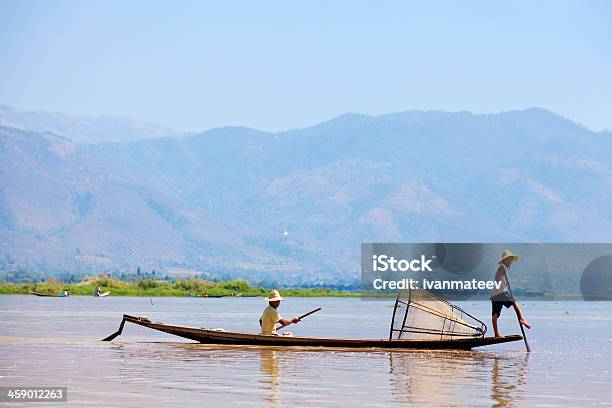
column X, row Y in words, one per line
column 196, row 288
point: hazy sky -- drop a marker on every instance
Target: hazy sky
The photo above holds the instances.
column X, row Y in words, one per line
column 279, row 65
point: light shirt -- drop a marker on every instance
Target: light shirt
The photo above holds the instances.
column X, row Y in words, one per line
column 269, row 318
column 500, row 280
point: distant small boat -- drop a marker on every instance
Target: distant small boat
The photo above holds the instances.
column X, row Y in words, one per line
column 205, row 296
column 102, row 294
column 46, row 295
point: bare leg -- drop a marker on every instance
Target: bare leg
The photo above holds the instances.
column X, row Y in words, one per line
column 495, row 329
column 519, row 314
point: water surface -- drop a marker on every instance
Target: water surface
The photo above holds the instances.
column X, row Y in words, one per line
column 55, row 342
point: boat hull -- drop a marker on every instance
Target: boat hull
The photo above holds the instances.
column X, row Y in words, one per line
column 207, row 336
column 45, row 295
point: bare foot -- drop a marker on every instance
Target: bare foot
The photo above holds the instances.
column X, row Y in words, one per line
column 524, row 323
column 497, row 334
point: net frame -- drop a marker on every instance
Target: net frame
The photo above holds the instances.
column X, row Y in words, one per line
column 456, row 322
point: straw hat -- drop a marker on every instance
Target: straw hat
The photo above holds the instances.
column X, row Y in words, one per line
column 274, row 295
column 508, row 254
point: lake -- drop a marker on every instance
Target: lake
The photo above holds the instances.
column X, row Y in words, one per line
column 55, row 342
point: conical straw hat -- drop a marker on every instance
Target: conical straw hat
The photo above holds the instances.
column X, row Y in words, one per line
column 507, row 254
column 274, row 295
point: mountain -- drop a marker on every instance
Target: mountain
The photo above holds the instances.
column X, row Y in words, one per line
column 82, row 129
column 295, row 205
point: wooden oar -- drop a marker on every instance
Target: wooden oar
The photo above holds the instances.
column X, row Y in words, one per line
column 519, row 320
column 299, row 318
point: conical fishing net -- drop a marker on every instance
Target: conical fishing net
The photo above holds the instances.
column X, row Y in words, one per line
column 420, row 315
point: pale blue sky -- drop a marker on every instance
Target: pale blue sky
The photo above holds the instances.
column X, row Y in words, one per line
column 279, row 65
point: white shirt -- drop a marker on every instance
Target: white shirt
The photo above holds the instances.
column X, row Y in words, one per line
column 269, row 318
column 500, row 280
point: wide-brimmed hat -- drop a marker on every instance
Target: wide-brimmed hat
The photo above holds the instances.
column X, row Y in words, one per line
column 274, row 295
column 507, row 254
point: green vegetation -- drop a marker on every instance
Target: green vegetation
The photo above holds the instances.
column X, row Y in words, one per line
column 150, row 287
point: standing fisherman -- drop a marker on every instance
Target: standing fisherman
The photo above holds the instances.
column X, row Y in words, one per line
column 501, row 295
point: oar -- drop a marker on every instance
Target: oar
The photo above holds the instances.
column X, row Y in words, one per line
column 299, row 318
column 519, row 320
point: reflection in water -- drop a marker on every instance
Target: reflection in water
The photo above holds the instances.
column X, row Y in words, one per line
column 419, row 378
column 508, row 379
column 450, row 378
column 270, row 375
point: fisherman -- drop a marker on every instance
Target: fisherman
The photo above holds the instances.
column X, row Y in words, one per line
column 501, row 295
column 270, row 315
column 98, row 291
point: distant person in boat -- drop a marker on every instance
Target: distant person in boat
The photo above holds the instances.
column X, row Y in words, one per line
column 500, row 296
column 270, row 315
column 65, row 293
column 98, row 291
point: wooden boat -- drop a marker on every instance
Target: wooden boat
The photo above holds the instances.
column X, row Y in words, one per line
column 46, row 295
column 211, row 336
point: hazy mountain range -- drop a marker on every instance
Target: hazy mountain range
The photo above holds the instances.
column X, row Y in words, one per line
column 80, row 129
column 291, row 205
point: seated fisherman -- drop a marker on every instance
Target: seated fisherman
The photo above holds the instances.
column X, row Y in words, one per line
column 270, row 315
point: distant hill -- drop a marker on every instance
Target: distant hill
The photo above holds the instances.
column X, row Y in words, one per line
column 81, row 129
column 294, row 206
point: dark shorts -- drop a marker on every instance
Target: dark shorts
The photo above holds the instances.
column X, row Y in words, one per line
column 497, row 305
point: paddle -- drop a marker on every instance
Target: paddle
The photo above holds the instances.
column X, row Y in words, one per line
column 299, row 318
column 519, row 320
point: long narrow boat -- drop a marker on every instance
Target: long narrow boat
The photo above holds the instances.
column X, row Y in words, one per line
column 210, row 336
column 46, row 295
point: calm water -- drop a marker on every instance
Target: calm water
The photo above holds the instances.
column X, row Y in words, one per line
column 55, row 342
